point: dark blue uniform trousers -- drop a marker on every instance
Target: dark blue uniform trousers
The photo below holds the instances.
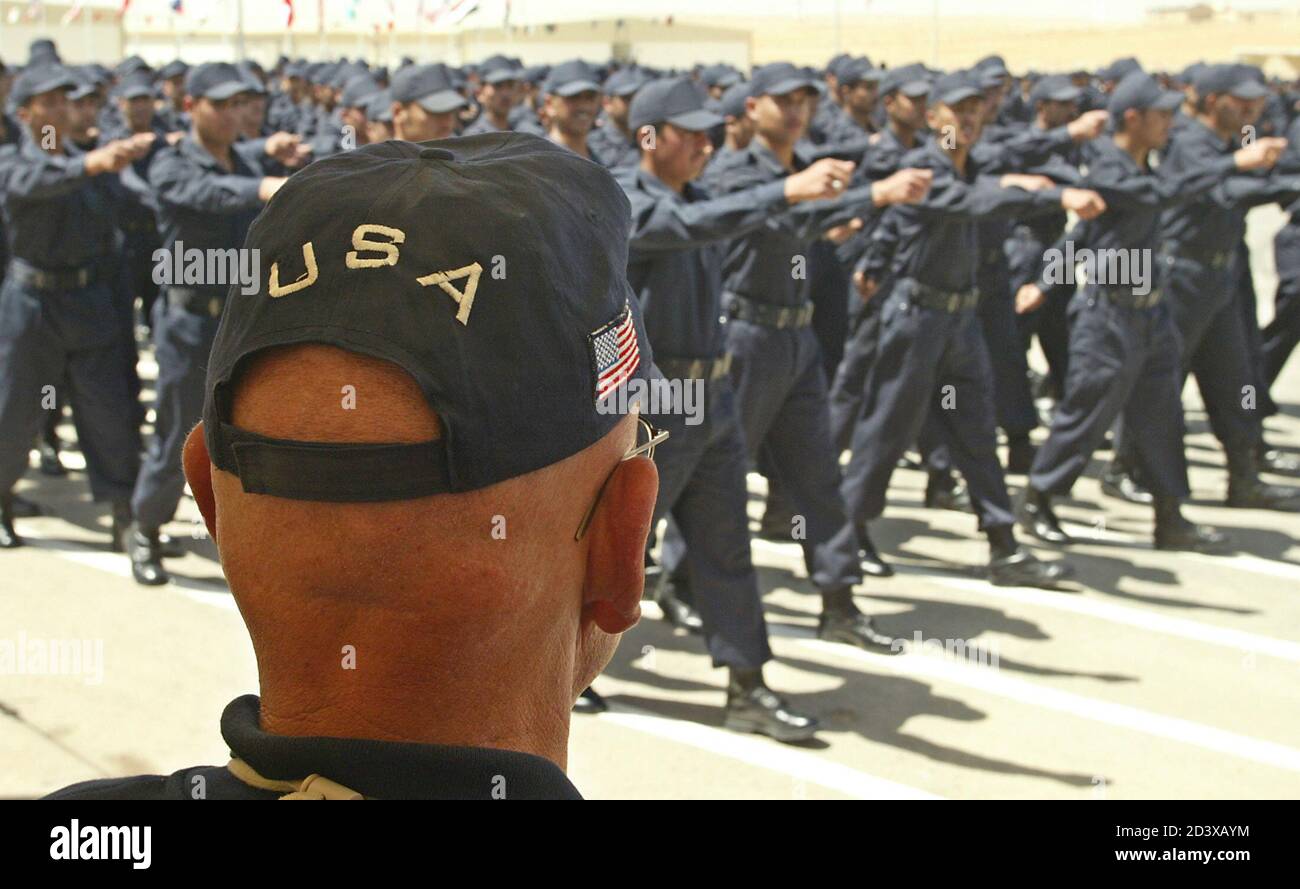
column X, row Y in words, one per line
column 997, row 313
column 1123, row 362
column 182, row 341
column 1282, row 334
column 922, row 351
column 702, row 486
column 781, row 393
column 848, row 396
column 45, row 338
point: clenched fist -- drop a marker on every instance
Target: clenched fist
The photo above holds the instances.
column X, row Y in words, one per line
column 827, row 178
column 907, row 186
column 1088, row 125
column 1261, row 155
column 1086, row 203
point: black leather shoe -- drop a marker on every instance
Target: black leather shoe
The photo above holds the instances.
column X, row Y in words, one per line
column 762, row 711
column 941, row 496
column 1177, row 533
column 1034, row 514
column 855, row 628
column 1020, row 456
column 51, row 465
column 24, row 508
column 121, row 527
column 1119, row 483
column 146, row 560
column 677, row 612
column 590, row 702
column 1249, row 492
column 169, row 547
column 872, row 564
column 9, row 538
column 1023, row 568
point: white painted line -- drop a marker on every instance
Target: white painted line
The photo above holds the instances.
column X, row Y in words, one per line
column 764, row 753
column 1074, row 603
column 1117, row 715
column 117, row 563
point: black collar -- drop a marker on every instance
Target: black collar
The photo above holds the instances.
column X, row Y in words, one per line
column 391, row 769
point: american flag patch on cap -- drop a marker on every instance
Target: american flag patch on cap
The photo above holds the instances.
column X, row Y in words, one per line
column 614, row 353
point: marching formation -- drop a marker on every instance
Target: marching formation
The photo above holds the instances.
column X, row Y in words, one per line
column 845, row 266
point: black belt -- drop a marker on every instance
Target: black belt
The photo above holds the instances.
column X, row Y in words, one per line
column 52, row 280
column 950, row 301
column 196, row 302
column 708, row 369
column 1130, row 300
column 1217, row 259
column 769, row 315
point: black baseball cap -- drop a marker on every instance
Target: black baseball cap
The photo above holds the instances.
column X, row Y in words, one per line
column 732, row 102
column 358, row 91
column 1141, row 91
column 1120, row 68
column 136, row 84
column 955, row 87
column 572, row 77
column 779, row 78
column 429, row 86
column 720, row 75
column 624, row 82
column 519, row 369
column 674, row 100
column 857, row 70
column 173, row 69
column 37, row 79
column 215, row 80
column 1054, row 88
column 1232, row 80
column 910, row 80
column 499, row 69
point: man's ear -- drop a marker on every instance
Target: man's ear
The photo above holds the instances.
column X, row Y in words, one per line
column 198, row 472
column 611, row 597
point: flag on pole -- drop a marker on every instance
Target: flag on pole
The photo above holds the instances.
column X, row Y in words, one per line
column 452, row 12
column 121, row 10
column 288, row 22
column 177, row 6
column 73, row 13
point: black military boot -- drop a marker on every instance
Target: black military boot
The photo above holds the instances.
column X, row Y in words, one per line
column 1117, row 481
column 9, row 538
column 1020, row 454
column 943, row 491
column 677, row 611
column 1035, row 515
column 841, row 621
column 48, row 448
column 146, row 559
column 1010, row 564
column 1175, row 532
column 872, row 564
column 122, row 519
column 753, row 707
column 1247, row 490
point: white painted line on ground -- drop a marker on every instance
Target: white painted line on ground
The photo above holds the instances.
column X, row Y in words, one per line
column 764, row 753
column 984, row 679
column 1074, row 603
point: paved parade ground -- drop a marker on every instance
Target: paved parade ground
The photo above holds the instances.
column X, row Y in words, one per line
column 1159, row 675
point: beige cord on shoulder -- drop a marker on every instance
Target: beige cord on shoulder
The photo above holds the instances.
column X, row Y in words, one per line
column 311, row 787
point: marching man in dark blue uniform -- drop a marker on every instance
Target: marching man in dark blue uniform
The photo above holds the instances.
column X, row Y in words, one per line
column 208, row 194
column 58, row 313
column 1124, row 346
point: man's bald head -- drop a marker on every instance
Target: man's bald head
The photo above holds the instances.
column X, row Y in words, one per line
column 450, row 601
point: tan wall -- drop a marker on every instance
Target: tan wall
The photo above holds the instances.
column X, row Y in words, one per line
column 1024, row 44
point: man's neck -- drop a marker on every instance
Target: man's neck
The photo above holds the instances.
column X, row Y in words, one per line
column 784, row 151
column 647, row 165
column 863, row 120
column 1208, row 122
column 220, row 151
column 1134, row 149
column 958, row 157
column 500, row 120
column 576, row 144
column 903, row 133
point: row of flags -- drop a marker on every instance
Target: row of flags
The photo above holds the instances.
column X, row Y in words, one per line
column 436, row 12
